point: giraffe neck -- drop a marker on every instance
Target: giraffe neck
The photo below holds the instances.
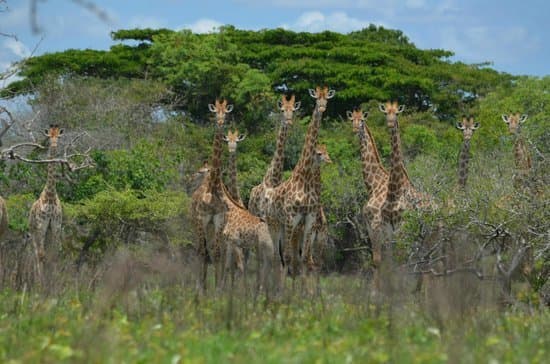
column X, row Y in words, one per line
column 233, row 187
column 49, row 193
column 215, row 171
column 274, row 173
column 306, row 161
column 374, row 173
column 398, row 175
column 521, row 154
column 464, row 159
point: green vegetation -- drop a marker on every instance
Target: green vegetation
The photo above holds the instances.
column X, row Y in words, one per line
column 168, row 325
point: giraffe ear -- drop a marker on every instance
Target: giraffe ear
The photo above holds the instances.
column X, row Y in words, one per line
column 280, row 104
column 349, row 115
column 382, row 107
column 312, row 93
column 400, row 109
column 523, row 118
column 61, row 131
column 330, row 94
column 476, row 125
column 459, row 126
column 46, row 132
column 228, row 108
column 241, row 137
column 225, row 138
column 212, row 108
column 297, row 105
column 505, row 118
column 365, row 115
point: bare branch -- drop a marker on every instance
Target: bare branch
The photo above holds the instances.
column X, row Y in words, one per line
column 89, row 5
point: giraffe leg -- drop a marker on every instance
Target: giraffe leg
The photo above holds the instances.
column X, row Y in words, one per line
column 307, row 248
column 265, row 252
column 229, row 264
column 291, row 245
column 278, row 264
column 37, row 238
column 219, row 248
column 201, row 251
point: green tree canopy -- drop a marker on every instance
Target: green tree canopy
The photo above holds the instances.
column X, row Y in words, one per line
column 250, row 67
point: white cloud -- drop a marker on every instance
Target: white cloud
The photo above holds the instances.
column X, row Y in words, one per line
column 316, row 21
column 203, row 26
column 16, row 47
column 505, row 45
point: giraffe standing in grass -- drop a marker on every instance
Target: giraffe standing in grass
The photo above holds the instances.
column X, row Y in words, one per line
column 208, row 205
column 242, row 233
column 46, row 212
column 376, row 178
column 401, row 195
column 296, row 201
column 522, row 156
column 468, row 126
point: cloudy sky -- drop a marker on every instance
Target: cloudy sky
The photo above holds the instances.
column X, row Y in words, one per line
column 511, row 34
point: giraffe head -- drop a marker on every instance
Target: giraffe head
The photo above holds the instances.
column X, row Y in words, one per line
column 198, row 177
column 357, row 118
column 232, row 138
column 53, row 133
column 321, row 154
column 514, row 121
column 321, row 95
column 467, row 126
column 220, row 108
column 288, row 106
column 391, row 109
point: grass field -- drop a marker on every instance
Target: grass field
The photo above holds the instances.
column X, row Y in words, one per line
column 131, row 319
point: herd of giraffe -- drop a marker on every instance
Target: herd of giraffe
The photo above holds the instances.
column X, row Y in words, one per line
column 285, row 221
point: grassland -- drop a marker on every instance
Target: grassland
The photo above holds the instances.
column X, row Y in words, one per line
column 135, row 318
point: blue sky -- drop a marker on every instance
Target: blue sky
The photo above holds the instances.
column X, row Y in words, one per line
column 511, row 34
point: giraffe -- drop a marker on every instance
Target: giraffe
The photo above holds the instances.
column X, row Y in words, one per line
column 522, row 159
column 402, row 195
column 232, row 138
column 521, row 153
column 319, row 229
column 296, row 200
column 46, row 212
column 208, row 206
column 468, row 126
column 274, row 174
column 244, row 232
column 376, row 178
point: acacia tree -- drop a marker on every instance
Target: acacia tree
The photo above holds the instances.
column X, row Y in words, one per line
column 249, row 66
